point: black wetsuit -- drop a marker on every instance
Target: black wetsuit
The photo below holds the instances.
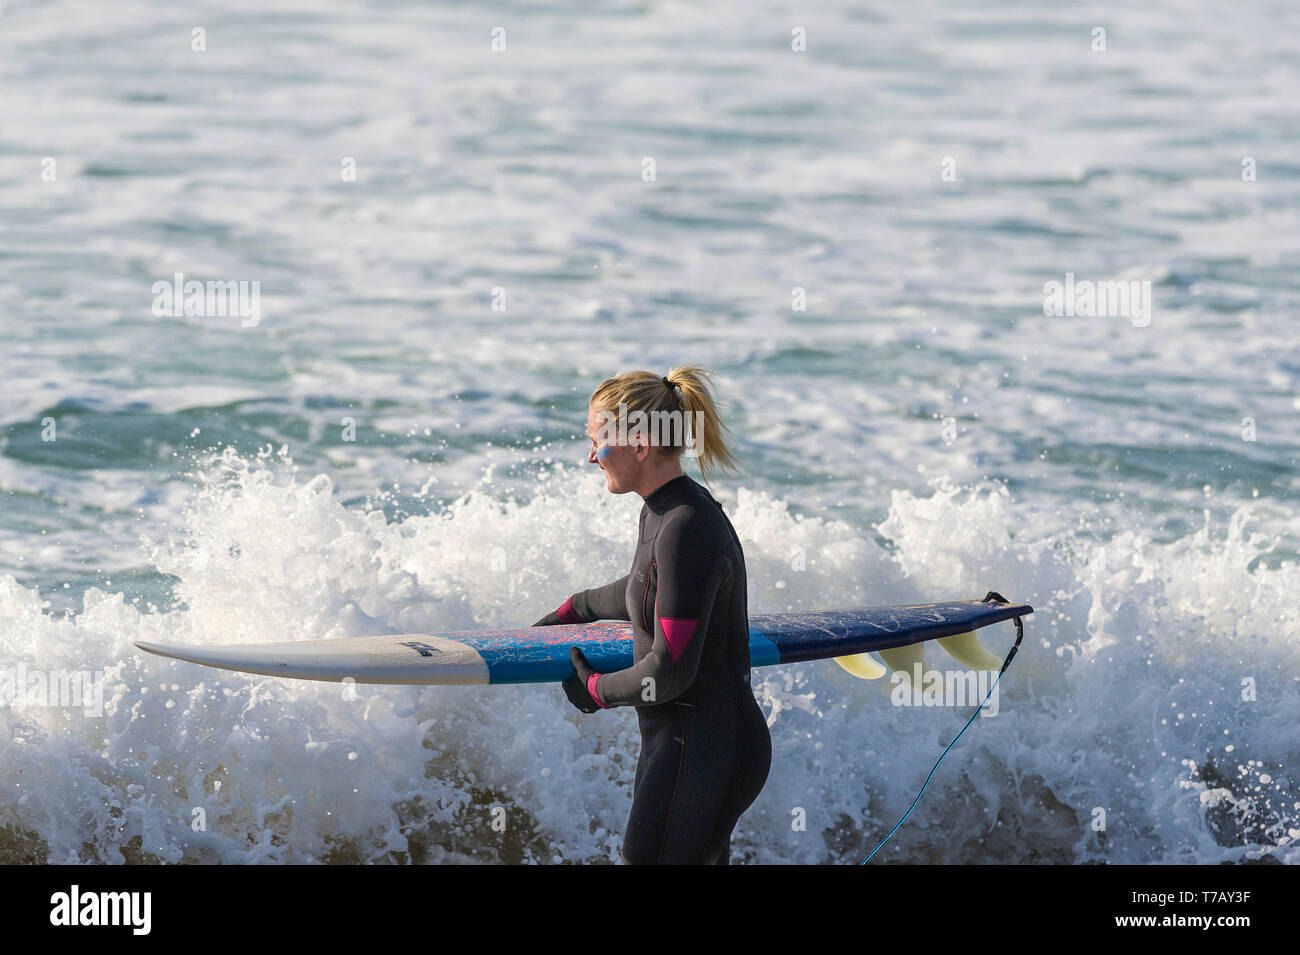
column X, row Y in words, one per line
column 705, row 748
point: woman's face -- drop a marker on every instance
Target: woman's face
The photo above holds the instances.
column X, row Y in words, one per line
column 622, row 464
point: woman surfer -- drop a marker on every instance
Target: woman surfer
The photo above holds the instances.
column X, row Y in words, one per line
column 705, row 747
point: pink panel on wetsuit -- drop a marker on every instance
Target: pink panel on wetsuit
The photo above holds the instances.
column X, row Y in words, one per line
column 567, row 614
column 591, row 690
column 678, row 632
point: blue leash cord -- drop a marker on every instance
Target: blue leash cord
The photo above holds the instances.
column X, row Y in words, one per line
column 1020, row 632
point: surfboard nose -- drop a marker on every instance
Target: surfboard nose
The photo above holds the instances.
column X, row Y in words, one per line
column 412, row 659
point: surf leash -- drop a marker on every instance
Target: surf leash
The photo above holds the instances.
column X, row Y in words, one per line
column 992, row 596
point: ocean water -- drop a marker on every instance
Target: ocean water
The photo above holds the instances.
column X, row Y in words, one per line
column 383, row 450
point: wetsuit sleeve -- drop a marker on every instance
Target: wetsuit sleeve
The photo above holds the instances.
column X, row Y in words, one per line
column 690, row 574
column 599, row 603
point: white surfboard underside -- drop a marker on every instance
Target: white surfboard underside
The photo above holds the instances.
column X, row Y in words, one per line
column 415, row 659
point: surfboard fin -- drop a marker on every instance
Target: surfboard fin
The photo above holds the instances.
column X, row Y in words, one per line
column 967, row 650
column 906, row 659
column 862, row 665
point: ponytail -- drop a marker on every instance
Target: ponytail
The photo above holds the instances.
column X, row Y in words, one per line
column 678, row 409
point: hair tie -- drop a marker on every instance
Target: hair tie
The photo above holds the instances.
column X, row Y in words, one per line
column 668, row 383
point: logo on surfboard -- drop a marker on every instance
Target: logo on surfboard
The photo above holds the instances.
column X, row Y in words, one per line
column 423, row 649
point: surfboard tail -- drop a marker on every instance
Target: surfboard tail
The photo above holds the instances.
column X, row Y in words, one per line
column 964, row 647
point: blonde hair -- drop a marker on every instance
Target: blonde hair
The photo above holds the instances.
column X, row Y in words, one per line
column 686, row 393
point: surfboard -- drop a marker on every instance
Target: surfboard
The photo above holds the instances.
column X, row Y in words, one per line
column 541, row 654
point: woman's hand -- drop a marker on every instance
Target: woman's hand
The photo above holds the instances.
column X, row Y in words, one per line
column 575, row 687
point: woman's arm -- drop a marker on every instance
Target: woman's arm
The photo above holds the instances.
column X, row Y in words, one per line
column 690, row 577
column 600, row 603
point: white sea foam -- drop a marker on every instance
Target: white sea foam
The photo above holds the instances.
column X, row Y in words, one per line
column 1127, row 686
